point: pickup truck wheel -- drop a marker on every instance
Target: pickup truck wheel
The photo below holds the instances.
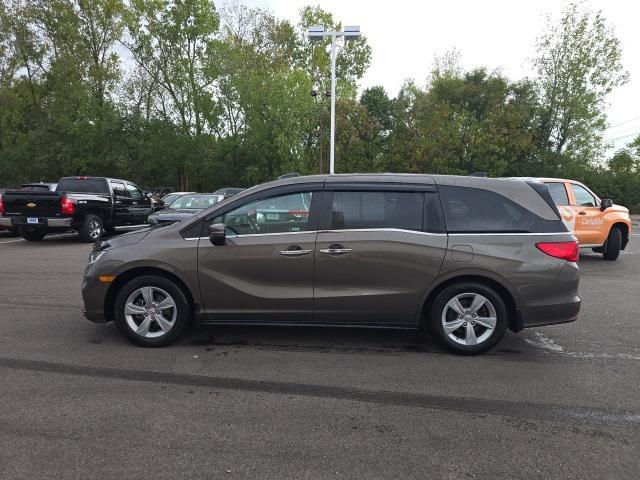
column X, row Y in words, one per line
column 151, row 311
column 613, row 245
column 91, row 230
column 32, row 235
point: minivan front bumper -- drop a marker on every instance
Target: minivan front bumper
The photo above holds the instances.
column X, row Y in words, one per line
column 94, row 295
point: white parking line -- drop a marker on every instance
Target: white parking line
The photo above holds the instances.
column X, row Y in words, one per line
column 550, row 345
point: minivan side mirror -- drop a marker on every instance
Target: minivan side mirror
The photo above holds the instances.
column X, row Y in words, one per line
column 605, row 203
column 217, row 234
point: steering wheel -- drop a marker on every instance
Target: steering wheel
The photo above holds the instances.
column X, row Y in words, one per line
column 253, row 225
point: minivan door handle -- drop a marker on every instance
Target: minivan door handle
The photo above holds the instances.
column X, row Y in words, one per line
column 582, row 212
column 294, row 251
column 335, row 249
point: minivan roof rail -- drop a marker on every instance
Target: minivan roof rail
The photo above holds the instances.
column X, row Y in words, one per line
column 288, row 175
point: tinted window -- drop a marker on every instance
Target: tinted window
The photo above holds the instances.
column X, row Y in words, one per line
column 433, row 220
column 134, row 193
column 35, row 188
column 118, row 189
column 473, row 210
column 559, row 193
column 358, row 210
column 583, row 197
column 280, row 214
column 79, row 185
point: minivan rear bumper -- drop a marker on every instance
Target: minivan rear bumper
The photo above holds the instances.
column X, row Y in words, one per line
column 537, row 316
column 552, row 303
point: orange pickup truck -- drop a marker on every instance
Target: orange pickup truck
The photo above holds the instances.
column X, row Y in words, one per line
column 596, row 223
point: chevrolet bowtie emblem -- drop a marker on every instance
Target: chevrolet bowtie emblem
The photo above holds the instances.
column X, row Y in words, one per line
column 31, row 204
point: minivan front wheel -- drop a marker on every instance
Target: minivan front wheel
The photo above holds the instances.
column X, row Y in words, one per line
column 468, row 318
column 151, row 311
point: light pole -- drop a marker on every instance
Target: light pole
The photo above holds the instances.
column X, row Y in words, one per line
column 315, row 94
column 317, row 34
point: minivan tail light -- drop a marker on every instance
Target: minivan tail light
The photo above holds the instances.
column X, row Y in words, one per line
column 563, row 250
column 67, row 207
column 1, row 205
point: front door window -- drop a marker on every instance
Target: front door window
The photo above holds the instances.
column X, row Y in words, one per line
column 281, row 214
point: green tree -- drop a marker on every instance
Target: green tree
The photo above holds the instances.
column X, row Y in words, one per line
column 579, row 62
column 174, row 44
column 379, row 105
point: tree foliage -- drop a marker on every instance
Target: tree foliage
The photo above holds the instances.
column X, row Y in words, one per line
column 191, row 94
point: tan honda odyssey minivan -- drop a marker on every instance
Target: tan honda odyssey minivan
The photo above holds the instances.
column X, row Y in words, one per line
column 466, row 257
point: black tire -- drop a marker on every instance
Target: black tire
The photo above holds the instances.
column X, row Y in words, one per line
column 183, row 311
column 32, row 235
column 613, row 244
column 462, row 289
column 91, row 230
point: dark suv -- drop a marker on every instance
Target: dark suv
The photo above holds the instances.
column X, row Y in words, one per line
column 466, row 257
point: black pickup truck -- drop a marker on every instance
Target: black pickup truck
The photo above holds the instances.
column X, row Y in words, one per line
column 89, row 205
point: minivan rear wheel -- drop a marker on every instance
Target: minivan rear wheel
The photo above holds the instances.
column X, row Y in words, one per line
column 151, row 311
column 468, row 318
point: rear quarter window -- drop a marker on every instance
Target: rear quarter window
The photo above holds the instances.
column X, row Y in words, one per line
column 474, row 210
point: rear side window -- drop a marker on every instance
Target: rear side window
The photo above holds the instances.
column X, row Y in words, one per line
column 119, row 190
column 134, row 192
column 78, row 185
column 360, row 210
column 559, row 193
column 473, row 210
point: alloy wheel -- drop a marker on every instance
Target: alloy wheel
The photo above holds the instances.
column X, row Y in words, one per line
column 95, row 229
column 150, row 312
column 469, row 319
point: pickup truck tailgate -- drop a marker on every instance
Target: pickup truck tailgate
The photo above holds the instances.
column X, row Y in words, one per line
column 31, row 204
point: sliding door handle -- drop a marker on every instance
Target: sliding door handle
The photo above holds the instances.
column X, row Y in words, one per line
column 335, row 249
column 294, row 252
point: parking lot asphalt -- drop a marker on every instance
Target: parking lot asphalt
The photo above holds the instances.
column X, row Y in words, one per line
column 79, row 401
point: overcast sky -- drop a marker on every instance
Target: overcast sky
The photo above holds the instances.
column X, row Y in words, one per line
column 406, row 35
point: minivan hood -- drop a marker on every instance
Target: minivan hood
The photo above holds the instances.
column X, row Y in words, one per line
column 129, row 238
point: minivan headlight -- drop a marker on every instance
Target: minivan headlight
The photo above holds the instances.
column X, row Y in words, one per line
column 97, row 252
column 94, row 256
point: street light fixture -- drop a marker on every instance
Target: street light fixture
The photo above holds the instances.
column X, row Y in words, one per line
column 317, row 33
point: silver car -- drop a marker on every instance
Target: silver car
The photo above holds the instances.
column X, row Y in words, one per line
column 463, row 257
